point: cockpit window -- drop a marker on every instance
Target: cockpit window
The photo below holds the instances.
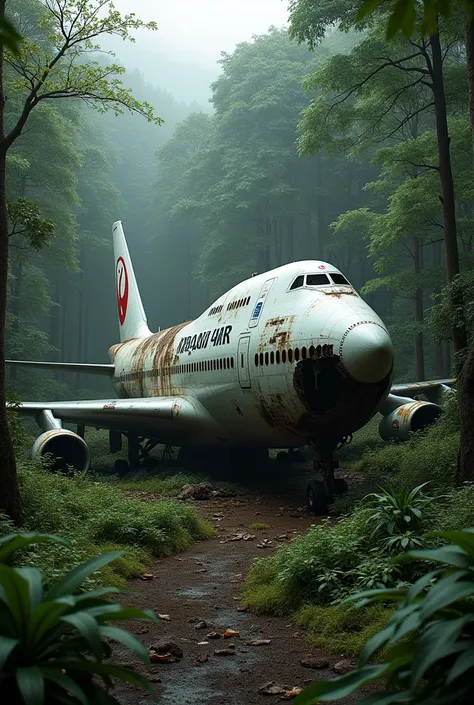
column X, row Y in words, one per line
column 339, row 279
column 317, row 280
column 298, row 283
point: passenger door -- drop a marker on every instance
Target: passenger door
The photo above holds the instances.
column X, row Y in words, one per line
column 243, row 361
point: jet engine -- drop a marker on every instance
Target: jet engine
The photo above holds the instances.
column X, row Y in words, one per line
column 407, row 418
column 65, row 448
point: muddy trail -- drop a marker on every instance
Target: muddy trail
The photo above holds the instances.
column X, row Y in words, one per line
column 199, row 591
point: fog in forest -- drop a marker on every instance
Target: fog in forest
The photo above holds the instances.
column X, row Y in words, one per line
column 243, row 175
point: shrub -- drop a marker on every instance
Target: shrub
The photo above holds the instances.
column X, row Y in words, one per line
column 54, row 644
column 428, row 642
column 94, row 515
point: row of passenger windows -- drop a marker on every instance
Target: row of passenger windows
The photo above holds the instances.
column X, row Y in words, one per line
column 215, row 309
column 238, row 304
column 295, row 355
column 225, row 363
column 318, row 280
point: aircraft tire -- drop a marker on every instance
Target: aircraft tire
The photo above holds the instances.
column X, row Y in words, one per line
column 340, row 486
column 316, row 497
column 121, row 466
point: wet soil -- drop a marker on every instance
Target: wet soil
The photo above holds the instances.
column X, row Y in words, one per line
column 204, row 583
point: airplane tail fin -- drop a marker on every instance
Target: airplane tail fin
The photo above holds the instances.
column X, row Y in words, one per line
column 132, row 319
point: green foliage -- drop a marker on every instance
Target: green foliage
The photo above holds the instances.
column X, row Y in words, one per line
column 95, row 515
column 404, row 14
column 342, row 629
column 25, row 220
column 398, row 518
column 10, row 38
column 428, row 653
column 54, row 643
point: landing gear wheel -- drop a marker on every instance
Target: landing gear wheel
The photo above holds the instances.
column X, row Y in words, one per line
column 316, row 497
column 121, row 467
column 149, row 463
column 340, row 486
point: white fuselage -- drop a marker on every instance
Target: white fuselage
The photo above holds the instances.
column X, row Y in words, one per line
column 272, row 365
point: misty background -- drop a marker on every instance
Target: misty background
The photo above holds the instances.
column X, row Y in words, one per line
column 215, row 193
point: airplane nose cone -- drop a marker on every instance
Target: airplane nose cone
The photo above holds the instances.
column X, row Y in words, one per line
column 367, row 353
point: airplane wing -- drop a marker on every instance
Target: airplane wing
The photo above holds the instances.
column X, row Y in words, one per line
column 81, row 367
column 167, row 419
column 411, row 388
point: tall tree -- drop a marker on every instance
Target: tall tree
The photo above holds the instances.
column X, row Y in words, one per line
column 54, row 63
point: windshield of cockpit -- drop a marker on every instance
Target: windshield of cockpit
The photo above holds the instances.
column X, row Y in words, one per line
column 320, row 279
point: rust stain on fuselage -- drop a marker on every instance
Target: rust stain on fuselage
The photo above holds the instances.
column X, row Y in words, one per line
column 158, row 351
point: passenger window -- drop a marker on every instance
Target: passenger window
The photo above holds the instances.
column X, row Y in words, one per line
column 339, row 279
column 298, row 283
column 317, row 280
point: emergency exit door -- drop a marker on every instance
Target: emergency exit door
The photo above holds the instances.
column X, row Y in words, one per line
column 243, row 361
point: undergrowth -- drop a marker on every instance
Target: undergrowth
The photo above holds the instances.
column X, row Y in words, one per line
column 96, row 517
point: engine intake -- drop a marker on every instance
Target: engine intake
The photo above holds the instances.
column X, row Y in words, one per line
column 66, row 449
column 408, row 418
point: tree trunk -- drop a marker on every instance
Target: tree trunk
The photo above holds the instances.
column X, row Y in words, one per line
column 447, row 192
column 465, row 468
column 9, row 493
column 15, row 310
column 419, row 350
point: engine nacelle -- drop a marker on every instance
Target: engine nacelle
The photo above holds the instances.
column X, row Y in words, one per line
column 66, row 449
column 408, row 418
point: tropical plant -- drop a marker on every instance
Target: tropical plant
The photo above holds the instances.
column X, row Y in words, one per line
column 397, row 516
column 428, row 643
column 54, row 642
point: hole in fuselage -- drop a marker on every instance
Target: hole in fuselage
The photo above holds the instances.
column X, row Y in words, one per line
column 319, row 383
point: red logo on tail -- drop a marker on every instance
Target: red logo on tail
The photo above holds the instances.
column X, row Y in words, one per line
column 122, row 289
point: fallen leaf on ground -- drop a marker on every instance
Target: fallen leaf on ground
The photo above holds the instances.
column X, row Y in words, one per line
column 161, row 658
column 202, row 643
column 146, row 576
column 258, row 642
column 224, row 652
column 165, row 617
column 229, row 633
column 273, row 688
column 213, row 635
column 290, row 694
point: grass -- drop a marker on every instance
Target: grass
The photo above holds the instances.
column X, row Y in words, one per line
column 96, row 517
column 340, row 628
column 259, row 526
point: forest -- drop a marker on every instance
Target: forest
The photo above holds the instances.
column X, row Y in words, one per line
column 347, row 137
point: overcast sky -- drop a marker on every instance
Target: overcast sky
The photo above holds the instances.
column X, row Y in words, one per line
column 198, row 30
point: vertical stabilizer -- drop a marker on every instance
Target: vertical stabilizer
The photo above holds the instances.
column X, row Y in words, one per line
column 132, row 319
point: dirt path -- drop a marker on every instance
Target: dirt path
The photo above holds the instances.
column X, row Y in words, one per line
column 204, row 583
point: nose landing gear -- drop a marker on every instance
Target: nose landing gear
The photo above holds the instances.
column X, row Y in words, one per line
column 323, row 489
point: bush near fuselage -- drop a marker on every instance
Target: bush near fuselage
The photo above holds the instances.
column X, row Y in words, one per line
column 95, row 517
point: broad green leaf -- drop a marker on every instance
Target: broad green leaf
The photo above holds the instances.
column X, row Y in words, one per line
column 439, row 640
column 375, row 643
column 463, row 663
column 6, row 647
column 10, row 37
column 445, row 593
column 14, row 542
column 104, row 669
column 89, row 629
column 34, row 578
column 68, row 684
column 46, row 616
column 463, row 539
column 340, row 687
column 76, row 576
column 30, row 683
column 116, row 612
column 420, row 585
column 16, row 594
column 450, row 555
column 127, row 639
